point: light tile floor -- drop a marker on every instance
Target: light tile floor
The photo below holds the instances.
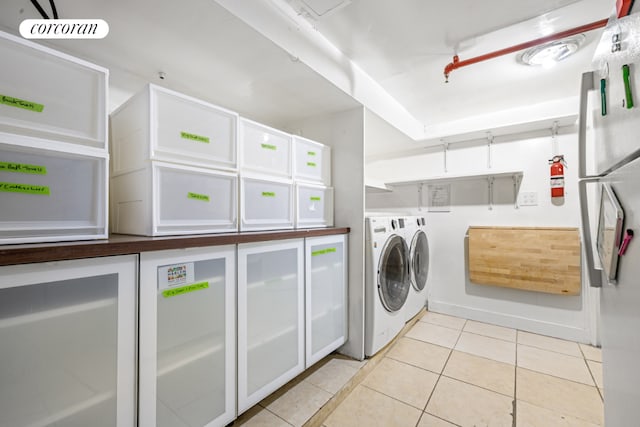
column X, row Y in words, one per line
column 447, row 371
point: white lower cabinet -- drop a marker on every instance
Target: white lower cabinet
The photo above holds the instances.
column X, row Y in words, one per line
column 68, row 343
column 270, row 317
column 188, row 337
column 326, row 295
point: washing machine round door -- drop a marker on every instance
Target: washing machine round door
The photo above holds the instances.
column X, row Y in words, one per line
column 393, row 274
column 419, row 260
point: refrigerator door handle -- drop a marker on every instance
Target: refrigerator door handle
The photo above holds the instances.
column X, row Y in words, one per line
column 595, row 275
column 587, row 85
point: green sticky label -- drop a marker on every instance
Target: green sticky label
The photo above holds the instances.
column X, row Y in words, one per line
column 21, row 103
column 313, row 165
column 314, row 198
column 22, row 168
column 269, row 147
column 311, row 153
column 185, row 289
column 268, row 194
column 194, row 137
column 11, row 187
column 196, row 196
column 323, row 251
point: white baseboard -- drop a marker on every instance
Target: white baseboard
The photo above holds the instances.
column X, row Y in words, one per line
column 556, row 330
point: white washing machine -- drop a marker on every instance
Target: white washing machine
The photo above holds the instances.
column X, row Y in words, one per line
column 387, row 283
column 418, row 244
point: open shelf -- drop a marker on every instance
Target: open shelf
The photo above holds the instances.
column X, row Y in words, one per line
column 489, row 176
column 376, row 187
column 457, row 177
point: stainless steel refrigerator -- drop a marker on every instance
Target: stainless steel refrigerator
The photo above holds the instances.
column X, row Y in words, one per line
column 610, row 185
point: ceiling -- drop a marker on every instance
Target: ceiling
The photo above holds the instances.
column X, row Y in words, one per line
column 279, row 61
column 405, row 45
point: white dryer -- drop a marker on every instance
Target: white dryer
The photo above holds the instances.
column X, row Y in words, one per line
column 418, row 244
column 387, row 283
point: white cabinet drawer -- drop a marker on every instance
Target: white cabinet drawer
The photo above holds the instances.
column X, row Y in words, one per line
column 49, row 195
column 264, row 150
column 165, row 199
column 314, row 206
column 312, row 161
column 160, row 124
column 51, row 95
column 266, row 204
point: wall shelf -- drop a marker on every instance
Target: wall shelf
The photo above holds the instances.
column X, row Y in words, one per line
column 457, row 177
column 376, row 187
column 489, row 176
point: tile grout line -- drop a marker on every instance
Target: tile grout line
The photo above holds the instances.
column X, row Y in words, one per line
column 442, row 372
column 369, row 366
column 592, row 375
column 557, row 377
column 552, row 351
column 477, row 386
column 286, row 422
column 587, row 360
column 488, row 336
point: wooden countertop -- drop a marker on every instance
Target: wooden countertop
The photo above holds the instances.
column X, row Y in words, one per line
column 120, row 244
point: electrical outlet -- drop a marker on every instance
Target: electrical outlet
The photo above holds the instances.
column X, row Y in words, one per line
column 528, row 198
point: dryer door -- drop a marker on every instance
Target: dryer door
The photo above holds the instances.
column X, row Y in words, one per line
column 393, row 274
column 419, row 260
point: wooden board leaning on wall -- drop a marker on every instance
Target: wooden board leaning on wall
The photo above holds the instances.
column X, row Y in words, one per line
column 528, row 258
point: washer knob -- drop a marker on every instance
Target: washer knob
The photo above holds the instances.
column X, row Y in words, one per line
column 394, row 224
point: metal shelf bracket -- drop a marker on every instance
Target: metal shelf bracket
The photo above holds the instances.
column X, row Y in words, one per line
column 490, row 185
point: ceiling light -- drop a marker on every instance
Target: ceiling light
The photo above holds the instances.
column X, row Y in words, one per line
column 548, row 54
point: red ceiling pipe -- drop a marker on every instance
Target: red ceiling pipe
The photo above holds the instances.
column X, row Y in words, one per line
column 557, row 36
column 623, row 7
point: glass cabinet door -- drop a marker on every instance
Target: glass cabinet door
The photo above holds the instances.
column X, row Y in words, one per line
column 326, row 295
column 270, row 318
column 67, row 343
column 187, row 337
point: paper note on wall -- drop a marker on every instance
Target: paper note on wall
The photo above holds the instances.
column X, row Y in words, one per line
column 439, row 198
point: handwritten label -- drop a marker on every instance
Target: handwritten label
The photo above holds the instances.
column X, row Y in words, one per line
column 323, row 251
column 196, row 196
column 313, row 165
column 194, row 137
column 268, row 194
column 311, row 153
column 21, row 103
column 269, row 147
column 314, row 198
column 11, row 187
column 22, row 168
column 174, row 292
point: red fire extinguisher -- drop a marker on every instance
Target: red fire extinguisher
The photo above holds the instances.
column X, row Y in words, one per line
column 557, row 175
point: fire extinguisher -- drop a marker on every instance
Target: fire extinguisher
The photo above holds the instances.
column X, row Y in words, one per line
column 557, row 175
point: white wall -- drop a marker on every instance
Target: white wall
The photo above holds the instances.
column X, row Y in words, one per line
column 344, row 132
column 450, row 291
